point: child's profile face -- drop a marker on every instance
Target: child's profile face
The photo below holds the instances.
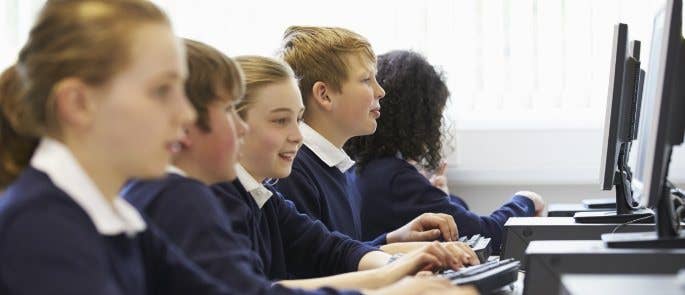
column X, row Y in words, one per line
column 273, row 117
column 216, row 151
column 357, row 106
column 140, row 112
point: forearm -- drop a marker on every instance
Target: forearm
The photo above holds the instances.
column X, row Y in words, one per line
column 368, row 279
column 373, row 259
column 404, row 247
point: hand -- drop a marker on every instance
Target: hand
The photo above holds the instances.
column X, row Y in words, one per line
column 439, row 179
column 426, row 227
column 537, row 201
column 430, row 257
column 422, row 285
column 462, row 252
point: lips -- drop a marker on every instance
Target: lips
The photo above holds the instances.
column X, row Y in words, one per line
column 376, row 112
column 287, row 156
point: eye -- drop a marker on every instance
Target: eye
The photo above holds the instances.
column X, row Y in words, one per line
column 162, row 91
column 280, row 121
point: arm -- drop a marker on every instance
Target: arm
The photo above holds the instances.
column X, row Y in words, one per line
column 189, row 214
column 410, row 187
column 428, row 257
column 311, row 248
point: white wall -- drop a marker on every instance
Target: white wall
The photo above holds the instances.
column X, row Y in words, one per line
column 562, row 165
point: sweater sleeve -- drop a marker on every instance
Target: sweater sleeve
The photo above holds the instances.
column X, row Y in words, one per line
column 419, row 196
column 191, row 217
column 312, row 248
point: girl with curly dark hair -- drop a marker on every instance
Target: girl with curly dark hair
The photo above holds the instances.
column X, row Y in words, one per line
column 410, row 134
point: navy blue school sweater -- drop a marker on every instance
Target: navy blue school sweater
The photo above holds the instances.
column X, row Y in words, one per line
column 192, row 217
column 49, row 245
column 326, row 194
column 292, row 245
column 393, row 192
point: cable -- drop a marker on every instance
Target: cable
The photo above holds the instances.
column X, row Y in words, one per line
column 630, row 222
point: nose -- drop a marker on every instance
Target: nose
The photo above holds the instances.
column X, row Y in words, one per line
column 185, row 113
column 296, row 135
column 240, row 125
column 378, row 91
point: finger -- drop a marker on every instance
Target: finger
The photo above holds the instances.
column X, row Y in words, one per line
column 454, row 230
column 441, row 169
column 428, row 235
column 424, row 274
column 439, row 251
column 472, row 257
column 430, row 220
column 457, row 256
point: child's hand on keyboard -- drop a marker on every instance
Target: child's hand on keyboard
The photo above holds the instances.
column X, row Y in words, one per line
column 431, row 257
column 463, row 252
column 426, row 227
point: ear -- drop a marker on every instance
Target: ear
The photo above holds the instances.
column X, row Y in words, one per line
column 74, row 103
column 321, row 96
column 185, row 140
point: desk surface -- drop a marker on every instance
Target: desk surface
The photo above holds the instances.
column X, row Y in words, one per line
column 610, row 284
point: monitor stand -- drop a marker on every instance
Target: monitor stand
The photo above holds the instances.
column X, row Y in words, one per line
column 667, row 234
column 626, row 211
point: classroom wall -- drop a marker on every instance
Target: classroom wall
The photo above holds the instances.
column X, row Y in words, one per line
column 562, row 165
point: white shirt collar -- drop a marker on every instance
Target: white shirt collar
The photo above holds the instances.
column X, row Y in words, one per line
column 325, row 150
column 256, row 189
column 175, row 170
column 54, row 159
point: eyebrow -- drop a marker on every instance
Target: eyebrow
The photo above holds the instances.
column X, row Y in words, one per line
column 280, row 110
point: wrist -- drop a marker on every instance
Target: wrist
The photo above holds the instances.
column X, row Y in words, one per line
column 391, row 237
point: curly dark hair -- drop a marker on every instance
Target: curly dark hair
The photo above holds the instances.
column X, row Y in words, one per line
column 411, row 113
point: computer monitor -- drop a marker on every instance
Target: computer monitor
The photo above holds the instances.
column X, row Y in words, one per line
column 619, row 131
column 662, row 115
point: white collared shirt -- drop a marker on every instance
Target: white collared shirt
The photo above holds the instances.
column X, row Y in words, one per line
column 256, row 189
column 325, row 150
column 56, row 160
column 175, row 170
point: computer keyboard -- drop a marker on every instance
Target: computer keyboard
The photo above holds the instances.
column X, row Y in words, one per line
column 487, row 277
column 480, row 245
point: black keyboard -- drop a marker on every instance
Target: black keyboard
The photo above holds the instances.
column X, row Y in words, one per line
column 487, row 277
column 480, row 245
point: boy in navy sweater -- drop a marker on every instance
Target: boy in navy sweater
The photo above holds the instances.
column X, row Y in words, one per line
column 209, row 230
column 339, row 88
column 387, row 161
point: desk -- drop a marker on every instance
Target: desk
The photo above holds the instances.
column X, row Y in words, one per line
column 547, row 261
column 616, row 284
column 519, row 231
column 568, row 209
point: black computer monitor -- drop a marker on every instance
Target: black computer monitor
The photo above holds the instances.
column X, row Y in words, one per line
column 619, row 131
column 664, row 127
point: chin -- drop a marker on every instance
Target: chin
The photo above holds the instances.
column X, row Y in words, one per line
column 281, row 173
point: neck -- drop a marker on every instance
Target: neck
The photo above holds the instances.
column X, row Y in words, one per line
column 327, row 129
column 192, row 169
column 256, row 176
column 104, row 176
